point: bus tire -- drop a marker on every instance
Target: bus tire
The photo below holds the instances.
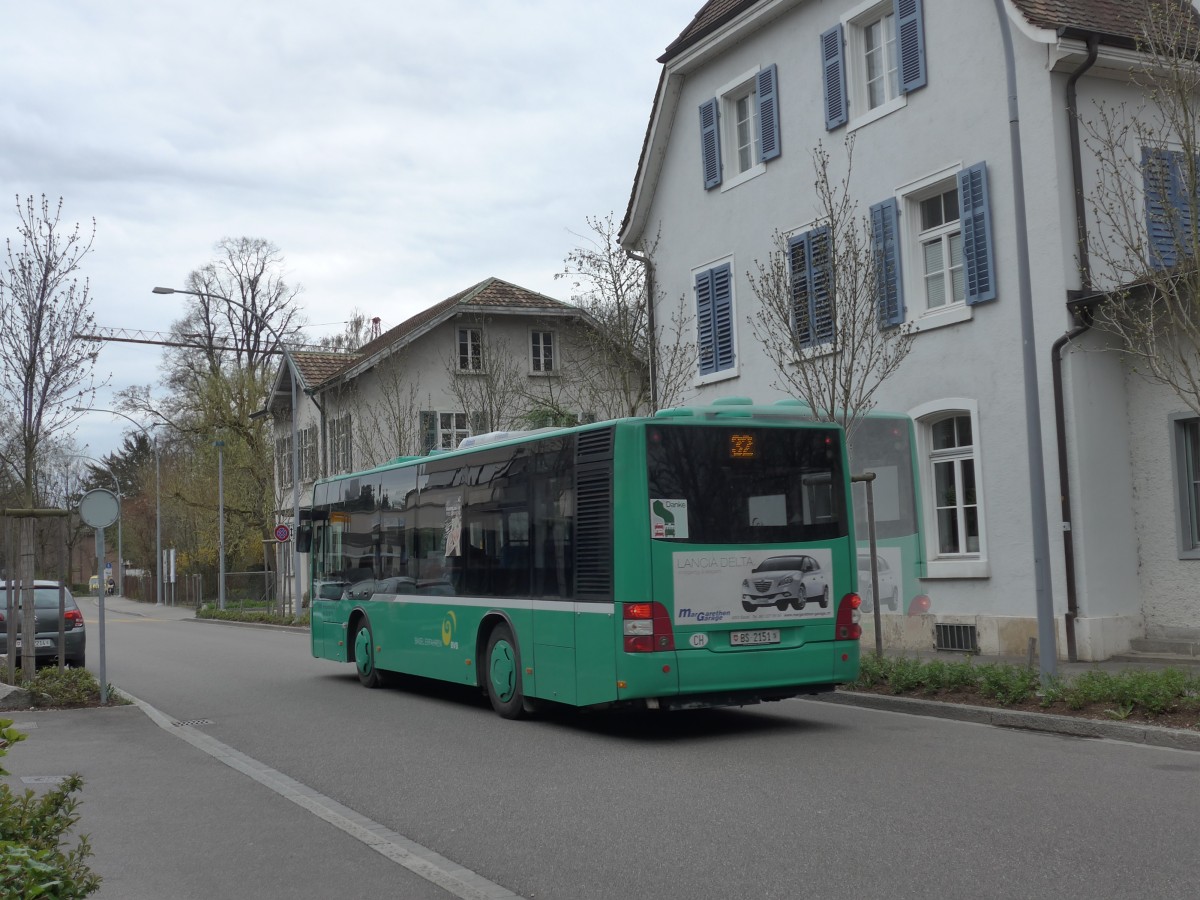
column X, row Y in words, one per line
column 502, row 677
column 364, row 656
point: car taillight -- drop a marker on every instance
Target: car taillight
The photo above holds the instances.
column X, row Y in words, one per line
column 73, row 618
column 847, row 626
column 919, row 606
column 647, row 628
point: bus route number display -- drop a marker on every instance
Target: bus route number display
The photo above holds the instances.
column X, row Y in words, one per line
column 742, row 446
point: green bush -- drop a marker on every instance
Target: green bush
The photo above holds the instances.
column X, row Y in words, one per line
column 256, row 618
column 51, row 688
column 1122, row 693
column 33, row 863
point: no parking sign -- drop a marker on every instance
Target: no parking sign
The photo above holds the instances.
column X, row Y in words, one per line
column 283, row 533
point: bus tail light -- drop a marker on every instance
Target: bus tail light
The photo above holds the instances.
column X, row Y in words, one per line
column 647, row 628
column 847, row 626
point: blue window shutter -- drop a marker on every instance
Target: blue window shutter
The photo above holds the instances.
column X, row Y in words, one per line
column 722, row 294
column 833, row 63
column 710, row 143
column 910, row 37
column 820, row 277
column 705, row 344
column 889, row 289
column 767, row 88
column 1168, row 213
column 798, row 262
column 976, row 214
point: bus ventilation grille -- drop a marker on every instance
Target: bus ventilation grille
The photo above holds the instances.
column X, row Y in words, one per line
column 595, row 445
column 963, row 638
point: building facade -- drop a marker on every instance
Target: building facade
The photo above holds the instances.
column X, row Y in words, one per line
column 909, row 100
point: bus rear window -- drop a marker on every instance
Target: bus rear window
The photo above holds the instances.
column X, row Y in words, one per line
column 728, row 485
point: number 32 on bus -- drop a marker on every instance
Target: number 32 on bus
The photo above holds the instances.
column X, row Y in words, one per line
column 701, row 557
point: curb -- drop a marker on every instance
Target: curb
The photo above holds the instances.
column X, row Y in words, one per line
column 1149, row 735
column 267, row 625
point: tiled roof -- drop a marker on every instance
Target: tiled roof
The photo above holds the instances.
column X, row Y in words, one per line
column 316, row 367
column 712, row 16
column 1112, row 18
column 491, row 293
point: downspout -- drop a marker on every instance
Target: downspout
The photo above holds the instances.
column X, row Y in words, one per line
column 1056, row 363
column 652, row 342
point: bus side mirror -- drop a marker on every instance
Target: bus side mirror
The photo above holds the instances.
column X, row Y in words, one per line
column 330, row 591
column 304, row 535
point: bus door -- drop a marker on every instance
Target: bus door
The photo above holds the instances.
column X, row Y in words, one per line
column 551, row 546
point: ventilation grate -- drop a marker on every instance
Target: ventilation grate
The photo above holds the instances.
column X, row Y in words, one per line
column 192, row 722
column 963, row 638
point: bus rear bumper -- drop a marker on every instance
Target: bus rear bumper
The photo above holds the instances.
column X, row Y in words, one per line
column 734, row 698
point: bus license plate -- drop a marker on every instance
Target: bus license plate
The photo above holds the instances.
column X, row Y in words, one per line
column 746, row 638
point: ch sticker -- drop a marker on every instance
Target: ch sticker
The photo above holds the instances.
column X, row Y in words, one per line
column 449, row 624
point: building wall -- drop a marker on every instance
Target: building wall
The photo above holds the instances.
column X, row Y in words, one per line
column 958, row 119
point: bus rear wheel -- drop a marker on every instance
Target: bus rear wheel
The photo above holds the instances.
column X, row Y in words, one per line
column 364, row 656
column 502, row 678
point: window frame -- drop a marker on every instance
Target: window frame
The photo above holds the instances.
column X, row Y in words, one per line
column 341, row 442
column 728, row 96
column 535, row 361
column 925, row 416
column 468, row 348
column 855, row 24
column 283, row 460
column 1185, row 477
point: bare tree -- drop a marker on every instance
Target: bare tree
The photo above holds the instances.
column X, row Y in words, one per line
column 45, row 371
column 385, row 410
column 1146, row 206
column 492, row 394
column 617, row 342
column 836, row 372
column 358, row 331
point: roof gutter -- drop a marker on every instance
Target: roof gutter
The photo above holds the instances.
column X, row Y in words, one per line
column 1056, row 359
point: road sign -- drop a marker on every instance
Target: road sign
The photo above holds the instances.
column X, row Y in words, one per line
column 283, row 533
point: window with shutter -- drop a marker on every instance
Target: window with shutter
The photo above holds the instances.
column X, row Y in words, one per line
column 872, row 60
column 1171, row 205
column 812, row 295
column 715, row 336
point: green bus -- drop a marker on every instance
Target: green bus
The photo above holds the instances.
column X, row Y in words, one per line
column 700, row 557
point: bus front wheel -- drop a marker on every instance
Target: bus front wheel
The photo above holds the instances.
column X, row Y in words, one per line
column 364, row 656
column 503, row 675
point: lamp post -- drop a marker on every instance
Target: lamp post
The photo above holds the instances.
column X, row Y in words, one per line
column 295, row 371
column 220, row 445
column 157, row 495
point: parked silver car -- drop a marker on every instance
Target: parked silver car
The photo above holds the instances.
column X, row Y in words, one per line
column 889, row 588
column 45, row 614
column 781, row 581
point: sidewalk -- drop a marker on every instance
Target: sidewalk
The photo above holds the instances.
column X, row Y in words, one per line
column 168, row 819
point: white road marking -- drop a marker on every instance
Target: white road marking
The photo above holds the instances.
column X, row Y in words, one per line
column 417, row 859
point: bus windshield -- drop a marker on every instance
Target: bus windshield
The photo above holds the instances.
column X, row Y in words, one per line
column 745, row 485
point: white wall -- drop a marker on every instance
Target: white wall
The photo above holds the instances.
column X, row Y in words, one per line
column 959, row 119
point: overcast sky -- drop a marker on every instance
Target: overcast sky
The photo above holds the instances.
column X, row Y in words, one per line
column 396, row 152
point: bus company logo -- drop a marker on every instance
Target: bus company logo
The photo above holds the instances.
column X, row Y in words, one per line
column 718, row 615
column 449, row 624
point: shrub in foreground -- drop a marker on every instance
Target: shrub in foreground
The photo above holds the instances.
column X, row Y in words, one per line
column 33, row 862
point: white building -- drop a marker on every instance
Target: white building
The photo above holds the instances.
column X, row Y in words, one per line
column 749, row 89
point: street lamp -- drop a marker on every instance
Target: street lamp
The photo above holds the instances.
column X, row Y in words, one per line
column 157, row 494
column 297, row 592
column 220, row 445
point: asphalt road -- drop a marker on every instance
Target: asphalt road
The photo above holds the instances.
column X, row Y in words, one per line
column 789, row 799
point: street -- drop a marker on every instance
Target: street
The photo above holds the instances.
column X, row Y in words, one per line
column 782, row 800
